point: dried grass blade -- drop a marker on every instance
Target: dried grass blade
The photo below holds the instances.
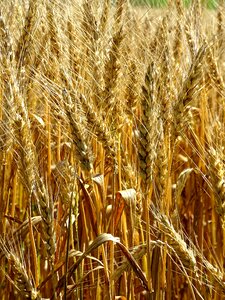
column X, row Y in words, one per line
column 101, row 239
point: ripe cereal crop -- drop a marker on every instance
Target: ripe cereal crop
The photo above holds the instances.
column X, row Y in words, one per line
column 112, row 150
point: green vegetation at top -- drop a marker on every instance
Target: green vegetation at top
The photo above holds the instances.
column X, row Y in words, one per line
column 211, row 4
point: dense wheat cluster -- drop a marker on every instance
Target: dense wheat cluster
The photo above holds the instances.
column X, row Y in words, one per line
column 112, row 150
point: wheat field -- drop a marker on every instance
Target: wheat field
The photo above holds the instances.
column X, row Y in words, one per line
column 112, row 150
